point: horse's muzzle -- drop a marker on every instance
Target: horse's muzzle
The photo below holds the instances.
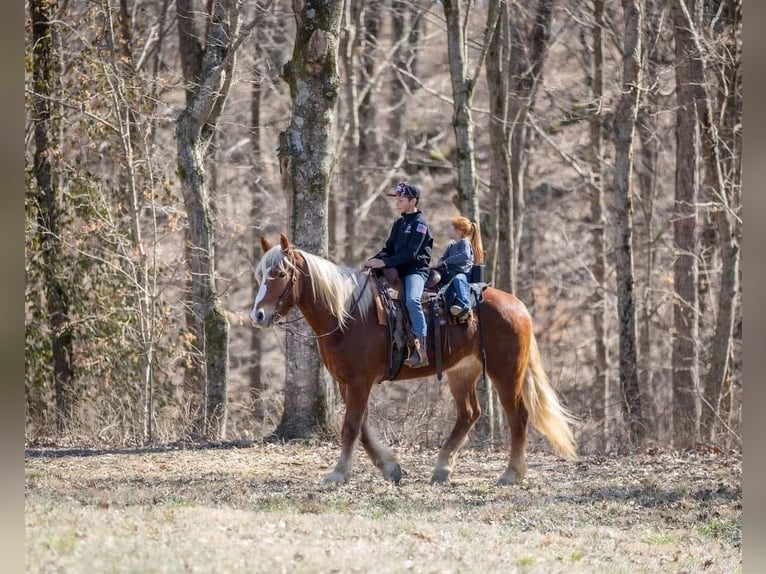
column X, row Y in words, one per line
column 260, row 318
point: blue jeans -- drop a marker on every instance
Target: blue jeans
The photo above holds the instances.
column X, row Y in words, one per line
column 413, row 291
column 461, row 291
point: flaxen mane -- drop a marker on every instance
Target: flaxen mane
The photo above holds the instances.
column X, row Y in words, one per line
column 337, row 286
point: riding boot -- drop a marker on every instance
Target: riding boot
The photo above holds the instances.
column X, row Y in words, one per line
column 419, row 356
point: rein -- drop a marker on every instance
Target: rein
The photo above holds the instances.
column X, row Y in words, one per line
column 291, row 285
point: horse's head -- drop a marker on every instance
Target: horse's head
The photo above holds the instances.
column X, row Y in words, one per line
column 276, row 275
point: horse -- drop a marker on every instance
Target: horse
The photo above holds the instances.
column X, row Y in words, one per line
column 338, row 304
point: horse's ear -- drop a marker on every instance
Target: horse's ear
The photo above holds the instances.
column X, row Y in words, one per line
column 283, row 242
column 265, row 244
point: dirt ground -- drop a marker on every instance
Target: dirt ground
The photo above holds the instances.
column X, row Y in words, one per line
column 263, row 508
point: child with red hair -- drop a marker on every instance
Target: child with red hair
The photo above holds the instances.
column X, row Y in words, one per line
column 464, row 250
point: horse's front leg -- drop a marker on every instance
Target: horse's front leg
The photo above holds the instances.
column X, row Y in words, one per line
column 355, row 398
column 380, row 454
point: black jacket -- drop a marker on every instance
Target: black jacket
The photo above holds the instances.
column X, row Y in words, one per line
column 408, row 247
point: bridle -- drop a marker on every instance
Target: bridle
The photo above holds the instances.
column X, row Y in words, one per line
column 291, row 285
column 286, row 291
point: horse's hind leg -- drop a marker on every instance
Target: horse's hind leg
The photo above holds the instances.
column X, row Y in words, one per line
column 381, row 455
column 462, row 383
column 508, row 383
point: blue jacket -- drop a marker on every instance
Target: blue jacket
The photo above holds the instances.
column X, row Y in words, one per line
column 458, row 257
column 408, row 247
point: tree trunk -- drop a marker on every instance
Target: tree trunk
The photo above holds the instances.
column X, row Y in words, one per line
column 526, row 60
column 598, row 230
column 467, row 179
column 397, row 102
column 257, row 220
column 685, row 308
column 462, row 116
column 307, row 160
column 46, row 144
column 722, row 155
column 624, row 127
column 657, row 398
column 500, row 171
column 500, row 168
column 191, row 52
column 350, row 47
column 189, row 45
column 194, row 128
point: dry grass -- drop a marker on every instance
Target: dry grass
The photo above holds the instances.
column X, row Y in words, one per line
column 263, row 509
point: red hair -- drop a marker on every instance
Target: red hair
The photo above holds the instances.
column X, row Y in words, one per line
column 468, row 228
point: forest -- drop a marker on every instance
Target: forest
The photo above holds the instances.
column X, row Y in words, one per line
column 597, row 145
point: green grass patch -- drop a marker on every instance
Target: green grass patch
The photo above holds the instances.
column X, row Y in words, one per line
column 723, row 529
column 61, row 543
column 659, row 538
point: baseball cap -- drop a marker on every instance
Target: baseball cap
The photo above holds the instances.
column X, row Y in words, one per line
column 406, row 189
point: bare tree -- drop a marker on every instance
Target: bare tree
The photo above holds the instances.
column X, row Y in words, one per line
column 722, row 182
column 194, row 129
column 657, row 55
column 350, row 48
column 624, row 127
column 526, row 61
column 45, row 133
column 686, row 403
column 307, row 160
column 191, row 51
column 463, row 85
column 595, row 77
column 500, row 168
column 406, row 29
column 256, row 207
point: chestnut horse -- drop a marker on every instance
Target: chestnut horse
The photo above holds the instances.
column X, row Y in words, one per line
column 338, row 303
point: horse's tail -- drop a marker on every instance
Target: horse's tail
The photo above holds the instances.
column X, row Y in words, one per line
column 545, row 411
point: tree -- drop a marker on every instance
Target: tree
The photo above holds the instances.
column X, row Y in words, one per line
column 406, row 29
column 463, row 86
column 650, row 196
column 526, row 59
column 191, row 52
column 500, row 168
column 598, row 223
column 307, row 159
column 721, row 151
column 47, row 202
column 194, row 129
column 624, row 127
column 686, row 404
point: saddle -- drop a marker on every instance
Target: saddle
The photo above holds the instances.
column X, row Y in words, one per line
column 393, row 313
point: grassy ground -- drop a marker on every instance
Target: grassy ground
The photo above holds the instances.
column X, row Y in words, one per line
column 263, row 509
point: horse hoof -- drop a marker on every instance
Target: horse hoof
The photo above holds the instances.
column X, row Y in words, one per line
column 393, row 472
column 441, row 476
column 510, row 477
column 336, row 478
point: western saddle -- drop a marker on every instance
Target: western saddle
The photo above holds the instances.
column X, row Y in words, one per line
column 393, row 312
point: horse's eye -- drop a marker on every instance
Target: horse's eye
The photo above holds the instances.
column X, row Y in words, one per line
column 282, row 274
